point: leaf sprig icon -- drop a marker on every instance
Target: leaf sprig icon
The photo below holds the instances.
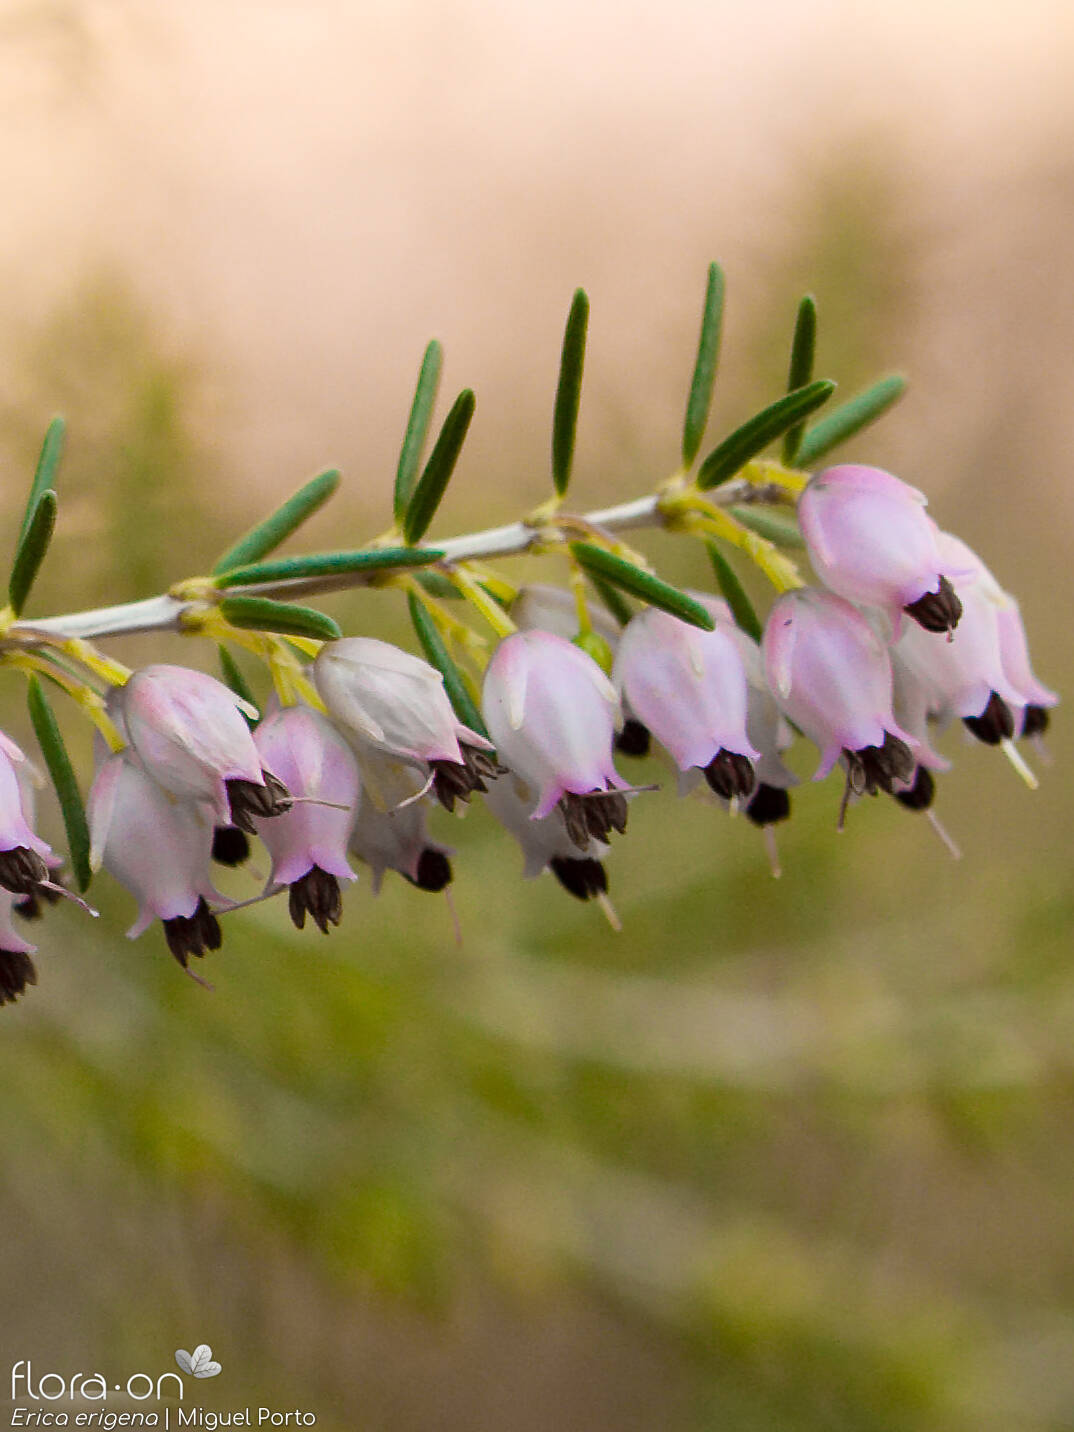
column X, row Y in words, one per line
column 198, row 1363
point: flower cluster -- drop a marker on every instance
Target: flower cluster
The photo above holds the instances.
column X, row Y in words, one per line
column 908, row 628
column 905, row 631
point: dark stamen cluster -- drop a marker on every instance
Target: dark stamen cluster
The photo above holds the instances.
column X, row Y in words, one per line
column 920, row 795
column 994, row 724
column 584, row 879
column 433, row 871
column 316, row 893
column 192, row 934
column 248, row 800
column 937, row 611
column 593, row 816
column 453, row 781
column 878, row 768
column 22, row 870
column 730, row 774
column 230, row 845
column 634, row 739
column 768, row 805
column 16, row 972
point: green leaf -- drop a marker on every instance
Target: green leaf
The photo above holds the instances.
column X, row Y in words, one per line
column 436, row 652
column 734, row 593
column 33, row 545
column 327, row 564
column 849, row 418
column 63, row 778
column 235, row 679
column 764, row 427
column 51, row 451
column 263, row 614
column 782, row 530
column 611, row 599
column 569, row 390
column 417, row 428
column 433, row 482
column 267, row 535
column 596, row 562
column 708, row 353
column 800, row 372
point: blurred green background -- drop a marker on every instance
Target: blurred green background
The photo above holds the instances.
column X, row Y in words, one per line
column 786, row 1154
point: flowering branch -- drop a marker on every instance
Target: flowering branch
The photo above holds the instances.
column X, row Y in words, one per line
column 530, row 707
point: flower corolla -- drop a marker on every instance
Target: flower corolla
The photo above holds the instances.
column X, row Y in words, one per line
column 188, row 731
column 688, row 687
column 551, row 713
column 308, row 843
column 831, row 675
column 390, row 701
column 159, row 848
column 871, row 541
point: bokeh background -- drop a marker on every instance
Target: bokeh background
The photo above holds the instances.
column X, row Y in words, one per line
column 790, row 1154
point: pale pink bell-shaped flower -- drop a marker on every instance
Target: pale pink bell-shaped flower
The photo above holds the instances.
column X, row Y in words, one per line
column 688, row 687
column 24, row 856
column 551, row 713
column 308, row 843
column 967, row 676
column 158, row 847
column 540, row 607
column 1029, row 707
column 545, row 843
column 190, row 736
column 391, row 831
column 831, row 675
column 390, row 701
column 766, row 727
column 16, row 967
column 870, row 540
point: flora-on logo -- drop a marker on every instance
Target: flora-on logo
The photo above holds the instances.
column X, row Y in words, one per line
column 198, row 1363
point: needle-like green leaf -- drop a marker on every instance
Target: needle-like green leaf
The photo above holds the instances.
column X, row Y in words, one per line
column 235, row 679
column 33, row 545
column 734, row 593
column 800, row 372
column 436, row 652
column 417, row 428
column 611, row 599
column 708, row 353
column 596, row 562
column 263, row 614
column 773, row 525
column 433, row 482
column 849, row 418
column 268, row 535
column 63, row 778
column 569, row 391
column 327, row 564
column 51, row 451
column 764, row 427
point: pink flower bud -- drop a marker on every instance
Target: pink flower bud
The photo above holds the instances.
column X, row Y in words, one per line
column 689, row 688
column 870, row 541
column 158, row 847
column 390, row 701
column 308, row 843
column 831, row 675
column 191, row 738
column 551, row 713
